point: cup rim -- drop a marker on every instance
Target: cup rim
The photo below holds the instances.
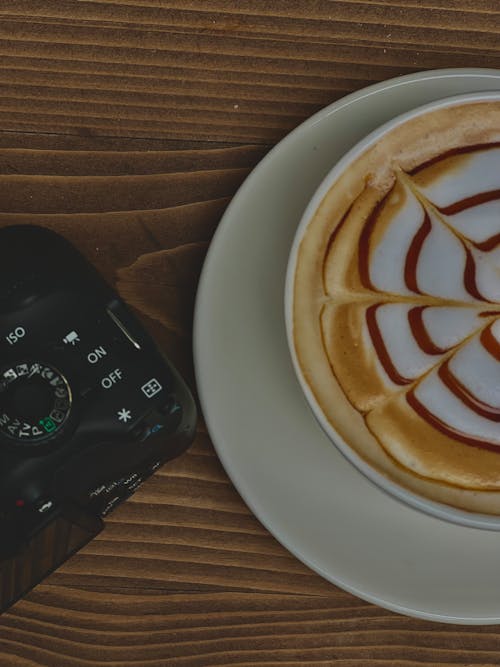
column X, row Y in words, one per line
column 431, row 507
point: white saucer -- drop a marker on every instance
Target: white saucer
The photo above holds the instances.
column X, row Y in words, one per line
column 295, row 481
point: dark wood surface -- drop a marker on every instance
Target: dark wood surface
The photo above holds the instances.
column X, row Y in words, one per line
column 128, row 126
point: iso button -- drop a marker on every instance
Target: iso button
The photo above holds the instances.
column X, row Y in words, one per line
column 30, row 327
column 17, row 335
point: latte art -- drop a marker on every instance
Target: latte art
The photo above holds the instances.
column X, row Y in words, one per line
column 397, row 305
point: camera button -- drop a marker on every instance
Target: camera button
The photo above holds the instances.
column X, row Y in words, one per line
column 35, row 326
column 168, row 416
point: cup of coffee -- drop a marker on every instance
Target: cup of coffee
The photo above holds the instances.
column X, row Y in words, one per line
column 393, row 308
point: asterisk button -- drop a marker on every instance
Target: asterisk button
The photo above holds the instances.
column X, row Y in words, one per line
column 124, row 415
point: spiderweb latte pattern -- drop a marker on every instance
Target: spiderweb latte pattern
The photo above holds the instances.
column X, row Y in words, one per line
column 410, row 321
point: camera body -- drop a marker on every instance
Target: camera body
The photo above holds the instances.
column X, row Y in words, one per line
column 89, row 407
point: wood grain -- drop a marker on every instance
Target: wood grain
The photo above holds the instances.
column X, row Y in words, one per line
column 127, row 126
column 218, row 70
column 208, row 629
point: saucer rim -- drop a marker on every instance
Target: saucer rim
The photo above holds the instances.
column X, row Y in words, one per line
column 200, row 304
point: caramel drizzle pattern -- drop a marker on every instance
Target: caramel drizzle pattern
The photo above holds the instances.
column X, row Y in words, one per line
column 420, row 333
column 381, row 349
column 412, row 257
column 415, row 315
column 487, row 339
column 364, row 244
column 470, row 202
column 465, row 395
column 474, row 148
column 411, row 263
column 444, row 428
column 470, row 283
column 490, row 343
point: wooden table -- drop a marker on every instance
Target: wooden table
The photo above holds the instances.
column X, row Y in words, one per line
column 127, row 125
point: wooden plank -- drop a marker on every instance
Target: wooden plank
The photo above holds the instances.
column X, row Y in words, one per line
column 75, row 627
column 127, row 126
column 218, row 71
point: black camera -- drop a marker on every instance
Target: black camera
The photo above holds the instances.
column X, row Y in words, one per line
column 89, row 407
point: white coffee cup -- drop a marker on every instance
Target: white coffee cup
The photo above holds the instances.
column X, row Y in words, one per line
column 398, row 490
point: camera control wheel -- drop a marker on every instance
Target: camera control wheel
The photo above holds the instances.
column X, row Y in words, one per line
column 35, row 402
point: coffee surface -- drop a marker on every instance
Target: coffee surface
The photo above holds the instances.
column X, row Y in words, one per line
column 396, row 311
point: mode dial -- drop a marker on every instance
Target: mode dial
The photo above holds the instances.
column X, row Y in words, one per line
column 35, row 401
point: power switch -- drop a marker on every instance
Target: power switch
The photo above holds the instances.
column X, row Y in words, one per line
column 124, row 323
